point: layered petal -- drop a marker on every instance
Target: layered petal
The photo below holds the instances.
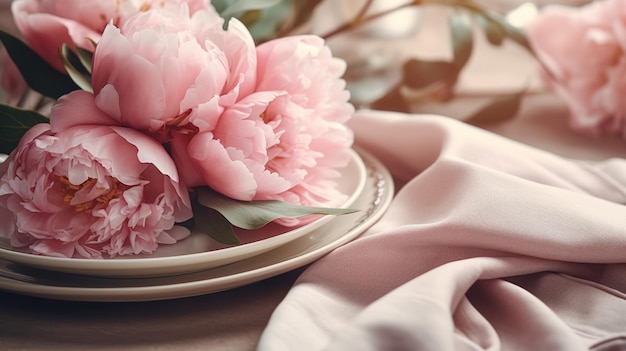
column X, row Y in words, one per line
column 48, row 24
column 286, row 140
column 91, row 191
column 78, row 108
column 310, row 117
column 165, row 72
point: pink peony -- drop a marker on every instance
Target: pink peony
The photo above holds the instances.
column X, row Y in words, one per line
column 286, row 140
column 47, row 24
column 161, row 70
column 91, row 191
column 584, row 49
column 251, row 128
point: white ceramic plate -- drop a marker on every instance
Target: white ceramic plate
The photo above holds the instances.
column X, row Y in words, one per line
column 197, row 252
column 374, row 201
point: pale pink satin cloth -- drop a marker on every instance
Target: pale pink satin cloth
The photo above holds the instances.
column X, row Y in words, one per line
column 490, row 245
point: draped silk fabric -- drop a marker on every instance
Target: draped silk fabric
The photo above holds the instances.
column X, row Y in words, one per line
column 489, row 244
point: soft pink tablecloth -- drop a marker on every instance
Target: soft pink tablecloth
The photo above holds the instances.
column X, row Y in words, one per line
column 490, row 245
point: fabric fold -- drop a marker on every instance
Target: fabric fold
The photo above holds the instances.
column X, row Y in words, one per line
column 475, row 210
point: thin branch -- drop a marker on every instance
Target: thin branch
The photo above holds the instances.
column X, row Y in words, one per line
column 362, row 12
column 361, row 19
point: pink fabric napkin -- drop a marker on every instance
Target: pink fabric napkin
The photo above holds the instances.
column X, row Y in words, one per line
column 490, row 245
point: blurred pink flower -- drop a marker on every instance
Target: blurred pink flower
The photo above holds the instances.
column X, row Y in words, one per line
column 584, row 50
column 161, row 70
column 286, row 140
column 47, row 24
column 91, row 191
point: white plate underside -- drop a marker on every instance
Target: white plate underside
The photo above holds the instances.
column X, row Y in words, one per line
column 374, row 201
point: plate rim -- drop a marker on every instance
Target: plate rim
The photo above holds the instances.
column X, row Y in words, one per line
column 220, row 283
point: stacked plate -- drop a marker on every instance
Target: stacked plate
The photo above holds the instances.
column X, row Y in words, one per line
column 198, row 265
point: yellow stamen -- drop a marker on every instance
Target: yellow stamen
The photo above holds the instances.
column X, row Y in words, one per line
column 116, row 190
column 145, row 7
column 178, row 124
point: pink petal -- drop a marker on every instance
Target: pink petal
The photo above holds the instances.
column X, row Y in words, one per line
column 220, row 172
column 77, row 108
column 150, row 151
column 135, row 82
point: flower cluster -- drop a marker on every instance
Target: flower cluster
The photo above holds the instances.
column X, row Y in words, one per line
column 584, row 51
column 176, row 100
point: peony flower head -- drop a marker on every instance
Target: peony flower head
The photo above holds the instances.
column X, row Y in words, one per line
column 252, row 123
column 161, row 69
column 286, row 140
column 48, row 24
column 584, row 49
column 91, row 191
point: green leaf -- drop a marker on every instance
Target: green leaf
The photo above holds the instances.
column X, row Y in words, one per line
column 255, row 214
column 241, row 6
column 393, row 100
column 86, row 58
column 511, row 32
column 300, row 13
column 462, row 36
column 38, row 74
column 419, row 74
column 272, row 21
column 499, row 110
column 250, row 18
column 74, row 66
column 216, row 226
column 14, row 122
